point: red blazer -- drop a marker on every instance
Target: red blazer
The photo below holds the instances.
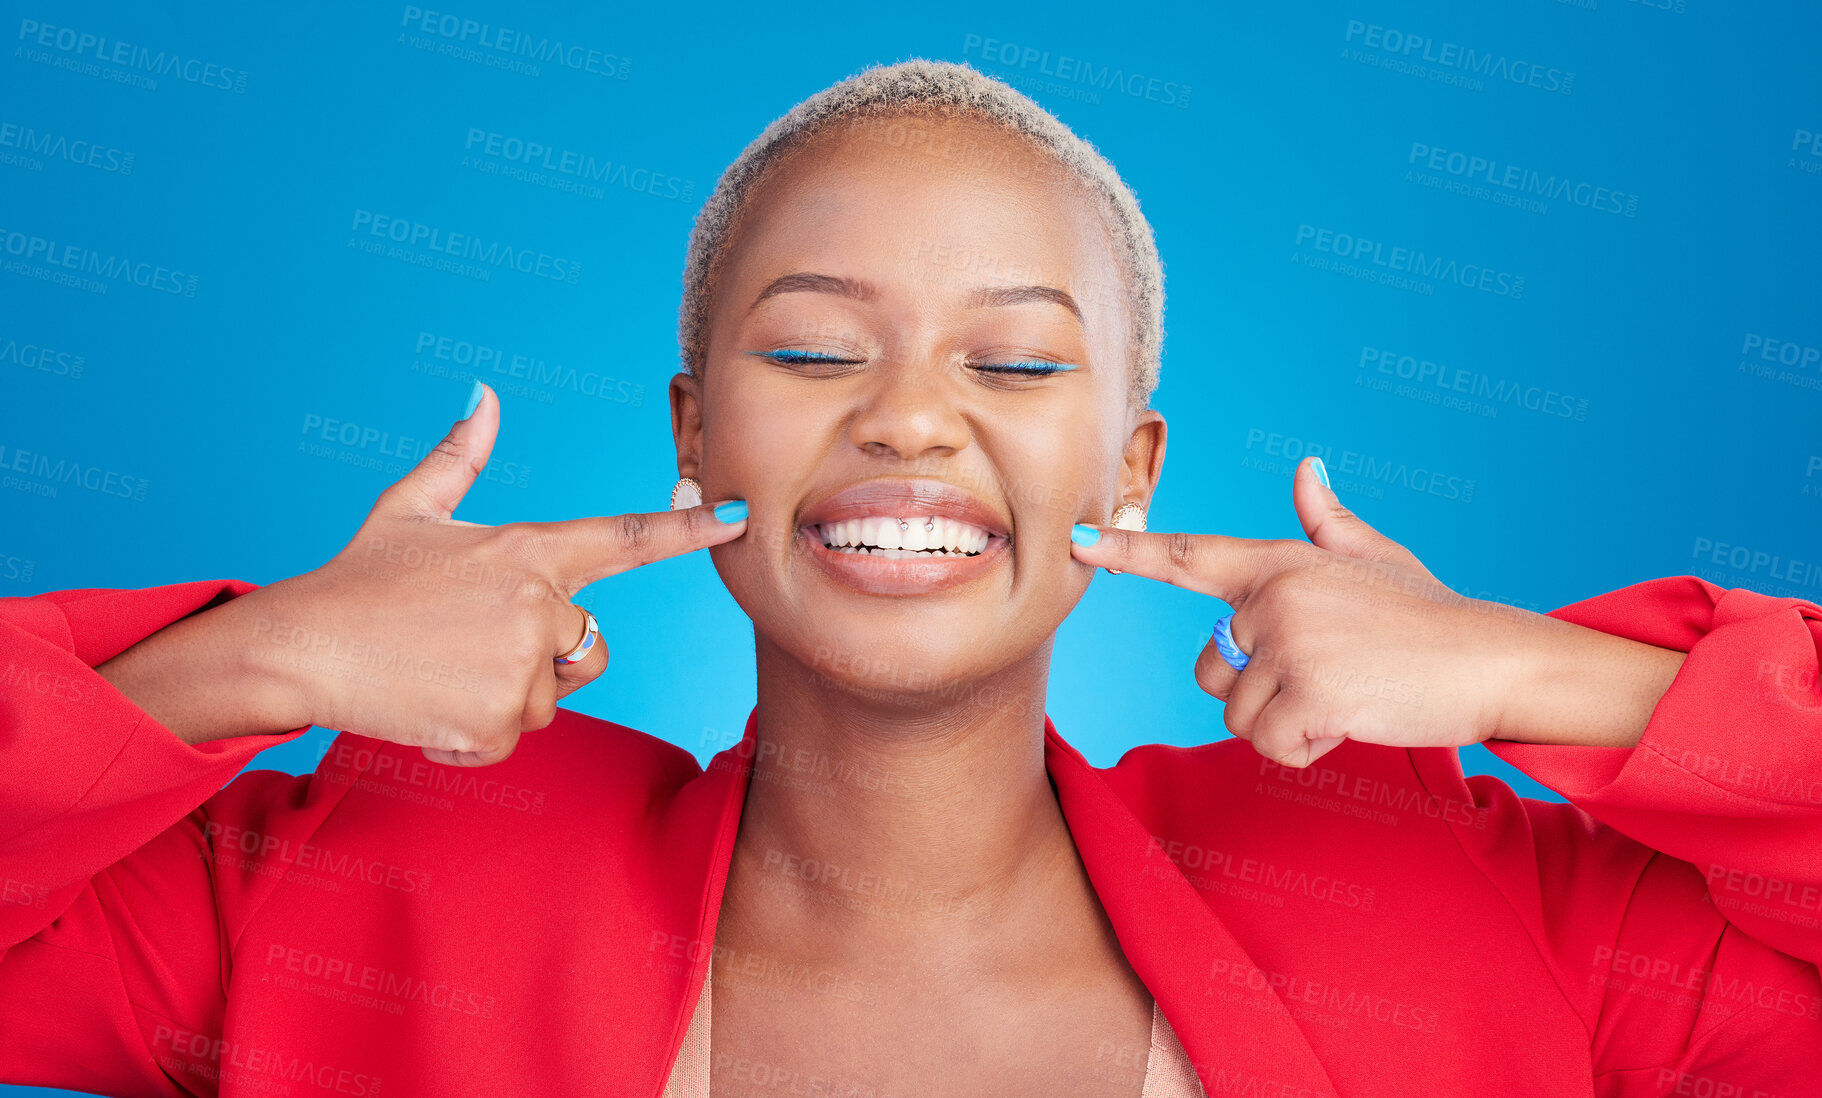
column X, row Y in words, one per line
column 1373, row 925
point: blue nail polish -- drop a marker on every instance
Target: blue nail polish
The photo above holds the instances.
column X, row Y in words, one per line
column 731, row 512
column 1322, row 472
column 474, row 399
column 1084, row 535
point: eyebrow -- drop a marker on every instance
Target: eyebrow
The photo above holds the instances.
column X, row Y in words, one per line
column 1020, row 295
column 804, row 282
column 987, row 297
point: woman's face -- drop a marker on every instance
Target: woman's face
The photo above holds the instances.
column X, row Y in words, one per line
column 917, row 375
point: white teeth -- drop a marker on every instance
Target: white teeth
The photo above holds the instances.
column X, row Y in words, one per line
column 905, row 536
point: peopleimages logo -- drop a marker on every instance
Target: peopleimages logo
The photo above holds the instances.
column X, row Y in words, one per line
column 508, row 43
column 1472, row 383
column 1757, row 563
column 1358, row 249
column 30, row 249
column 556, row 168
column 1418, row 49
column 56, row 146
column 98, row 48
column 1787, row 361
column 1075, row 70
column 471, row 359
column 36, row 356
column 1807, row 143
column 47, row 474
column 465, row 246
column 1521, row 181
column 1352, row 469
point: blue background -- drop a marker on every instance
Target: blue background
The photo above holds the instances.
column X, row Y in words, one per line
column 1247, row 123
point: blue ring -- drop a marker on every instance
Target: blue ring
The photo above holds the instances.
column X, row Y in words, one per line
column 1224, row 644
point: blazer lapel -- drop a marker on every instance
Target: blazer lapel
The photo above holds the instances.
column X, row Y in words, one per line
column 698, row 834
column 1241, row 1038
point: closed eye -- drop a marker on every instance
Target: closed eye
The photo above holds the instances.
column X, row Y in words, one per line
column 1031, row 368
column 790, row 357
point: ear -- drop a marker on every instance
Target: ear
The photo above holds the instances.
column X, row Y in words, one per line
column 686, row 423
column 1144, row 458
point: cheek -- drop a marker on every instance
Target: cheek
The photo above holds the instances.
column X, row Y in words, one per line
column 755, row 448
column 1058, row 473
column 755, row 445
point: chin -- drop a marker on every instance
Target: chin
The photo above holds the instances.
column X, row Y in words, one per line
column 898, row 658
column 888, row 666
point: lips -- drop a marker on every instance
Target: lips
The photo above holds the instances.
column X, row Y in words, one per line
column 903, row 536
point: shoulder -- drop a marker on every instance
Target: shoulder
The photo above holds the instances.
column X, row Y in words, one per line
column 589, row 831
column 1231, row 765
column 625, row 756
column 1362, row 797
column 1228, row 783
column 576, row 759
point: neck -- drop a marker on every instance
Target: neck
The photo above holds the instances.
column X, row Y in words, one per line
column 898, row 812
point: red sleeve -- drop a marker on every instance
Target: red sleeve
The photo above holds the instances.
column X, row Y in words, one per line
column 1679, row 892
column 115, row 914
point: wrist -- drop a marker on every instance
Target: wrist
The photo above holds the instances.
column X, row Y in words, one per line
column 203, row 677
column 274, row 691
column 1574, row 686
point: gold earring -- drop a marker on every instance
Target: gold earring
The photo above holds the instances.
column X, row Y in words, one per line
column 1127, row 516
column 686, row 493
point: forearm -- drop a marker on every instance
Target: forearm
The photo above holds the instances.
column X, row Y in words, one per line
column 1572, row 685
column 202, row 678
column 1726, row 774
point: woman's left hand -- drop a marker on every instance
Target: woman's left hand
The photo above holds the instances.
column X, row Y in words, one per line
column 1349, row 637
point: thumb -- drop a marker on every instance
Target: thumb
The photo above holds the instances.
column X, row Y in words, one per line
column 439, row 482
column 1331, row 526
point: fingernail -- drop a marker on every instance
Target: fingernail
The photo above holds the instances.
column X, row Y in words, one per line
column 474, row 399
column 731, row 512
column 1322, row 472
column 1084, row 535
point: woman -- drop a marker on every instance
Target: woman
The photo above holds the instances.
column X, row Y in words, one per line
column 920, row 328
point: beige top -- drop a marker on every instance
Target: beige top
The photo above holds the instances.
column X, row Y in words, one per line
column 1168, row 1072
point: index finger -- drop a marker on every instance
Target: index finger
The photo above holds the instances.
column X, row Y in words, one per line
column 1214, row 564
column 587, row 549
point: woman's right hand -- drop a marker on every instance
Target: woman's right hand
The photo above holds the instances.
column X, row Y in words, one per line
column 426, row 630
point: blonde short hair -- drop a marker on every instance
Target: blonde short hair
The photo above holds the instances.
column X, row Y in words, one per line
column 930, row 88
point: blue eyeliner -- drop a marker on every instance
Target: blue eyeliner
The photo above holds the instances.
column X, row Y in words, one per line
column 1036, row 366
column 1030, row 367
column 793, row 357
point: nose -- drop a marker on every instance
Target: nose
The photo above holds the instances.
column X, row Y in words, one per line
column 909, row 413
